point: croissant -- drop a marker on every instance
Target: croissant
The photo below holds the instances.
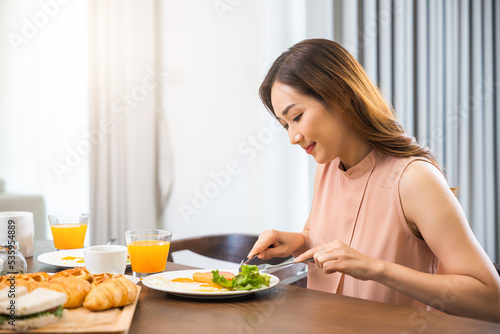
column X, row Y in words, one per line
column 34, row 277
column 28, row 284
column 75, row 288
column 112, row 292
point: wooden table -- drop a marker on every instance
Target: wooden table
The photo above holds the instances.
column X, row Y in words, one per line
column 282, row 309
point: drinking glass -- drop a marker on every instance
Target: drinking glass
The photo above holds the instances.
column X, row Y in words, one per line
column 148, row 250
column 68, row 229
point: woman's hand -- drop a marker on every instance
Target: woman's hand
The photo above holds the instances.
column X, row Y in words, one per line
column 273, row 243
column 336, row 256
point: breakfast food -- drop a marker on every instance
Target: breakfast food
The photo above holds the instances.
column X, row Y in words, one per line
column 112, row 292
column 96, row 279
column 207, row 277
column 186, row 284
column 78, row 259
column 82, row 273
column 199, row 282
column 249, row 278
column 34, row 277
column 35, row 309
column 27, row 284
column 75, row 288
column 96, row 292
column 216, row 281
column 8, row 292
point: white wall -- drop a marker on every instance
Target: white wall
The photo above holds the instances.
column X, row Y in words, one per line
column 235, row 170
column 43, row 100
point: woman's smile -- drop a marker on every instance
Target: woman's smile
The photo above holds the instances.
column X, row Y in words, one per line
column 310, row 148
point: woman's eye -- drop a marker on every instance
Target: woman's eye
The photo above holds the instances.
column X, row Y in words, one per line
column 285, row 126
column 296, row 119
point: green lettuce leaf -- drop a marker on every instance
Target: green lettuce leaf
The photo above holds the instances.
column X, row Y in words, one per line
column 248, row 279
column 58, row 313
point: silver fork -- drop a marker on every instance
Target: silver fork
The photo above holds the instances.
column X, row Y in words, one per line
column 289, row 262
column 247, row 261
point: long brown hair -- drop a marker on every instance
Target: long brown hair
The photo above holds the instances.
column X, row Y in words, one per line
column 323, row 69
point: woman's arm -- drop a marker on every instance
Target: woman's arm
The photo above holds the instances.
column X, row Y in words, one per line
column 471, row 286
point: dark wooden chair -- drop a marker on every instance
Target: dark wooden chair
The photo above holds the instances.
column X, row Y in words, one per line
column 233, row 248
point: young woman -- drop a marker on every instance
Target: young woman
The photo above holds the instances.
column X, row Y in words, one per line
column 383, row 218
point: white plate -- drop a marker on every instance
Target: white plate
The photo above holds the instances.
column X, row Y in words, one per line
column 56, row 258
column 201, row 294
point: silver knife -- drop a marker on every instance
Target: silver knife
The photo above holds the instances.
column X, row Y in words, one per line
column 288, row 262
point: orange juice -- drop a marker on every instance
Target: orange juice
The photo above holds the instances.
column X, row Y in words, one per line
column 69, row 236
column 148, row 256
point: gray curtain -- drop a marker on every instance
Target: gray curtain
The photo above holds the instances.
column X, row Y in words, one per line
column 438, row 62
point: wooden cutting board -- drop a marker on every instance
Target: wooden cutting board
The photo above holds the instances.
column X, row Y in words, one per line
column 81, row 320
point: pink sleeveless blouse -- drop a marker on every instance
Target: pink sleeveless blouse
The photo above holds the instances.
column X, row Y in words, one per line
column 362, row 208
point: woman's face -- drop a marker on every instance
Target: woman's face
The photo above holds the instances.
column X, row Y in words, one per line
column 321, row 132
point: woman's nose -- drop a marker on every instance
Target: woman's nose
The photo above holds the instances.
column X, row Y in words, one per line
column 294, row 136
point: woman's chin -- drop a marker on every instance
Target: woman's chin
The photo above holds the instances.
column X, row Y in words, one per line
column 321, row 160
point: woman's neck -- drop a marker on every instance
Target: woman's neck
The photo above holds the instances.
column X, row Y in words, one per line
column 354, row 156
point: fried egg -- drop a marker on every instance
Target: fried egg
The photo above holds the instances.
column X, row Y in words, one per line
column 186, row 284
column 78, row 259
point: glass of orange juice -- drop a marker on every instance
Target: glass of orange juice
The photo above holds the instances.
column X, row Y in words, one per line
column 148, row 250
column 68, row 229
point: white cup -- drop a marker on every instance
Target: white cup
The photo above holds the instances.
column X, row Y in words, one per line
column 18, row 226
column 105, row 259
